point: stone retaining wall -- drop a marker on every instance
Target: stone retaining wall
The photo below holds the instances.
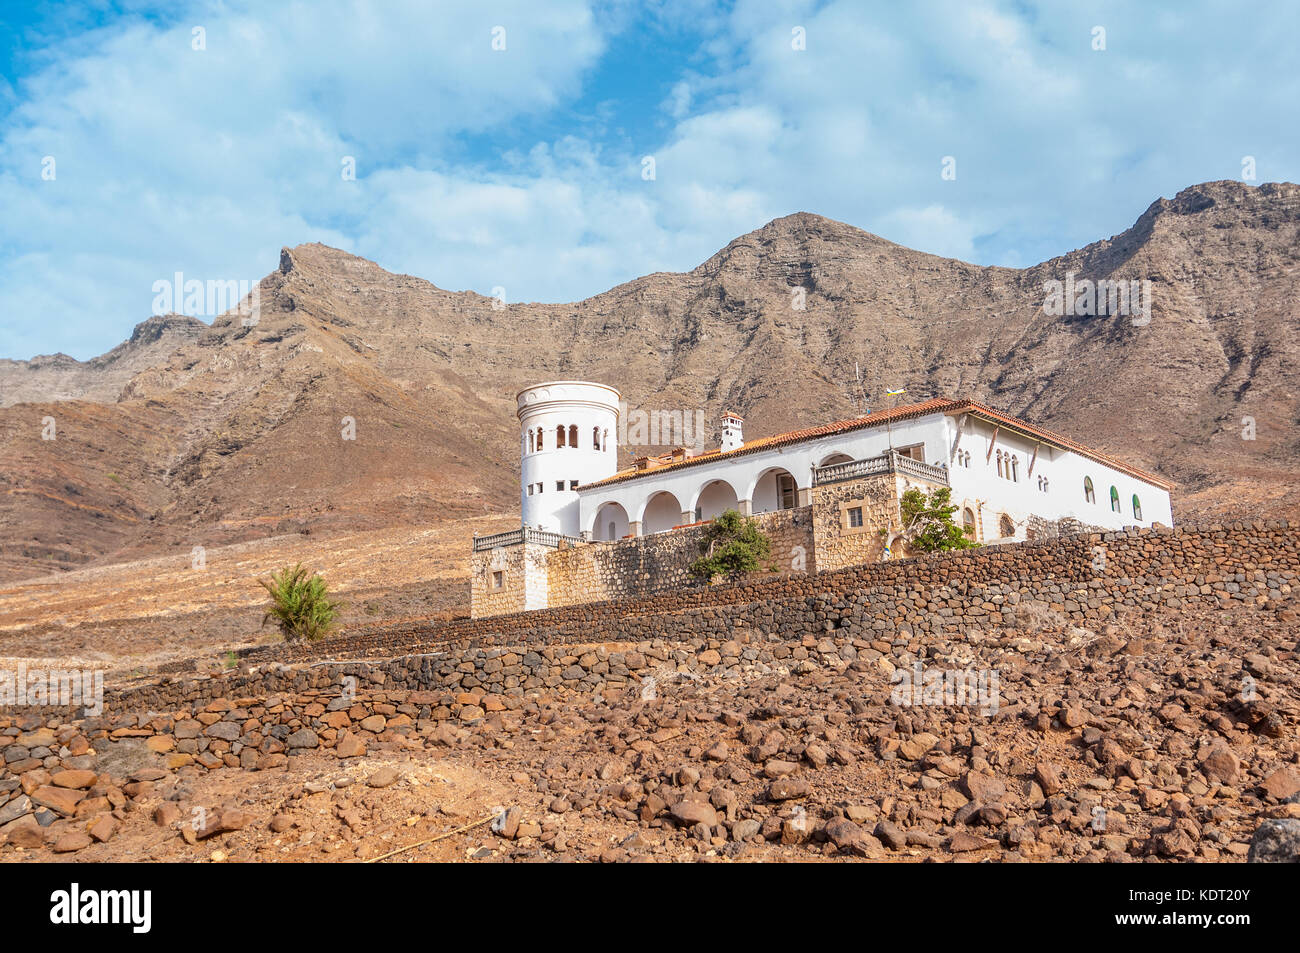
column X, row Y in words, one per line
column 1084, row 575
column 1084, row 578
column 645, row 565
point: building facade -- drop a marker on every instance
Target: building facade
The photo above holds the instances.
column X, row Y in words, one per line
column 568, row 437
column 831, row 491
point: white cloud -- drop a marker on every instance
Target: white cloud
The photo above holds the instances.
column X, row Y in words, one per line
column 207, row 162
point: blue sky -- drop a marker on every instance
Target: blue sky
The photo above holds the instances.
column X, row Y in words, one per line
column 521, row 168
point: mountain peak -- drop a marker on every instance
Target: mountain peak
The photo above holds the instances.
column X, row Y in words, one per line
column 153, row 328
column 1226, row 192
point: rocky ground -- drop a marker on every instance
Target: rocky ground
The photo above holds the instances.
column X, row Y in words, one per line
column 1156, row 738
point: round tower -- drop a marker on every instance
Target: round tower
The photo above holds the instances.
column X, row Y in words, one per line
column 568, row 436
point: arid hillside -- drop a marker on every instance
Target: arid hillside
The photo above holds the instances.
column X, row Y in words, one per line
column 192, row 435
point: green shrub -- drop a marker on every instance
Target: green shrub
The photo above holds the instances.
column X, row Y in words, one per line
column 300, row 604
column 732, row 546
column 928, row 524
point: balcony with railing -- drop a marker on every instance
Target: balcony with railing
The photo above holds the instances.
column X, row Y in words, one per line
column 525, row 534
column 890, row 461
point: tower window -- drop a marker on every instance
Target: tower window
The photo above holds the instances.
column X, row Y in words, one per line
column 573, row 484
column 559, row 435
column 559, row 485
column 595, row 437
column 530, row 489
column 573, row 436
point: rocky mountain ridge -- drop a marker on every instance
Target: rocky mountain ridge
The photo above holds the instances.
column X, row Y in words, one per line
column 191, row 435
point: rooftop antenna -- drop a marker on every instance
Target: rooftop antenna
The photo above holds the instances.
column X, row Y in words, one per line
column 857, row 392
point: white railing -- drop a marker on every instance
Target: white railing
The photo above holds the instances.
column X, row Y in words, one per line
column 889, row 462
column 525, row 534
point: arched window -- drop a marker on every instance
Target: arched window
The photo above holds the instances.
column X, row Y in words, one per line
column 530, row 439
column 573, row 436
column 539, row 439
column 1137, row 507
column 604, row 439
column 1015, row 469
column 559, row 435
column 595, row 437
column 1089, row 493
column 1114, row 500
column 999, row 463
column 1006, row 527
column 968, row 522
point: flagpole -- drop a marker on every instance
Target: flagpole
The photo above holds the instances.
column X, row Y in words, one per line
column 889, row 427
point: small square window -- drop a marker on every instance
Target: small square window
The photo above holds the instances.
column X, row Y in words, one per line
column 498, row 579
column 530, row 489
column 559, row 485
column 540, row 487
column 855, row 516
column 573, row 484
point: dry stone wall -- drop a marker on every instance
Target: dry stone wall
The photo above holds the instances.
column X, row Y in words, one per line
column 612, row 646
column 839, row 544
column 597, row 572
column 508, row 579
column 1086, row 575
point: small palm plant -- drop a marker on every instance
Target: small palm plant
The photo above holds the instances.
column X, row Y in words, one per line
column 300, row 604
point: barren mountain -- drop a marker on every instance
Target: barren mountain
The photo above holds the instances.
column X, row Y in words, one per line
column 196, row 435
column 50, row 377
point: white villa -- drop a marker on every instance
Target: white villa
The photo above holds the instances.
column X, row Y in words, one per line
column 840, row 482
column 1005, row 474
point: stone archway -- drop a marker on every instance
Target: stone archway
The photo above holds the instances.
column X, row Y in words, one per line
column 611, row 522
column 714, row 499
column 662, row 512
column 775, row 489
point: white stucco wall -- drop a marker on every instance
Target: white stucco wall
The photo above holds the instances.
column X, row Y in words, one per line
column 545, row 407
column 751, row 477
column 980, row 487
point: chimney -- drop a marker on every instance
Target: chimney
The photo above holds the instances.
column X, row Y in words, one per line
column 731, row 432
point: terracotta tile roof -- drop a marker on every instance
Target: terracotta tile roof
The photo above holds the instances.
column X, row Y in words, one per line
column 946, row 405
